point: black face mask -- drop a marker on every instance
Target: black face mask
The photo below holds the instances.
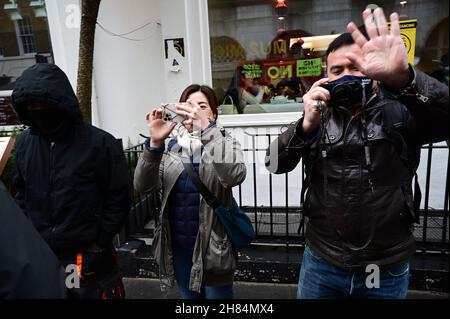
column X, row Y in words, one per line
column 51, row 123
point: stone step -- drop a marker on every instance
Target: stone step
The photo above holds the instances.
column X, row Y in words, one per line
column 274, row 264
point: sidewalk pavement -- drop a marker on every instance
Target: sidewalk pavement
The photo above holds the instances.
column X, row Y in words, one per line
column 147, row 288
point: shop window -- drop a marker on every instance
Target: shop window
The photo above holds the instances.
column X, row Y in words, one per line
column 265, row 55
column 434, row 60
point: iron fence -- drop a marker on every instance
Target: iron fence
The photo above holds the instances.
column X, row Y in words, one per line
column 284, row 225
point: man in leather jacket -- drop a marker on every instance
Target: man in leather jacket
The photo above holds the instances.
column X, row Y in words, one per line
column 360, row 137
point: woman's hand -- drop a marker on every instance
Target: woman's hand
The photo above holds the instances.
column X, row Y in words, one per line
column 158, row 128
column 197, row 117
column 311, row 114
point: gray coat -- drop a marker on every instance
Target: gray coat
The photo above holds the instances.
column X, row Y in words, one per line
column 222, row 167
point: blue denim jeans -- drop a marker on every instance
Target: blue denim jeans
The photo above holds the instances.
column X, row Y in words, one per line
column 321, row 279
column 182, row 263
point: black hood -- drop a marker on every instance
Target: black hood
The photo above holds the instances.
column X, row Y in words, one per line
column 45, row 83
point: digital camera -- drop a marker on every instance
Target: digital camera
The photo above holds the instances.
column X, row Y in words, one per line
column 344, row 93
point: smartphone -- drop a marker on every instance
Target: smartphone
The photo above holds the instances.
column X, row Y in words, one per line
column 170, row 114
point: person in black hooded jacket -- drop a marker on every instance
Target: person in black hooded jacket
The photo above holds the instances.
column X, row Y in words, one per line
column 71, row 178
column 28, row 267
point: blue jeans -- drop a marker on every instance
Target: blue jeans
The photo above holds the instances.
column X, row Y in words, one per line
column 321, row 279
column 182, row 263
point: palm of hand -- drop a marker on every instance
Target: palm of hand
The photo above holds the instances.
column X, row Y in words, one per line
column 382, row 55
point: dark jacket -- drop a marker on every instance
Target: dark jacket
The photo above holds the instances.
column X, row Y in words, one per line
column 28, row 267
column 360, row 214
column 76, row 190
column 184, row 201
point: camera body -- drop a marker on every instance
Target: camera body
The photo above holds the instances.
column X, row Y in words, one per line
column 346, row 93
column 170, row 114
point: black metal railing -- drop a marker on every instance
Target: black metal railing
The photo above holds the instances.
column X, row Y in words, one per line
column 144, row 206
column 284, row 224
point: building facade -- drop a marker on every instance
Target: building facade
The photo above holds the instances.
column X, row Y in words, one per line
column 148, row 51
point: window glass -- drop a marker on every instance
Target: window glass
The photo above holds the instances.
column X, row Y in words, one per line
column 24, row 41
column 265, row 55
column 25, row 35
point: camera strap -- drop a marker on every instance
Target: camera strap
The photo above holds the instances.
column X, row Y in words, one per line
column 323, row 148
column 367, row 146
column 368, row 160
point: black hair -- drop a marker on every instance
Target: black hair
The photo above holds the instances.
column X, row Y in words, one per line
column 342, row 40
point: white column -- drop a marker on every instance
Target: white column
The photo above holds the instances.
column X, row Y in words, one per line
column 128, row 70
column 187, row 20
column 64, row 17
column 64, row 26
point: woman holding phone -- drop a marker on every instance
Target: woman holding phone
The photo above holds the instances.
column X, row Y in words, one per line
column 190, row 245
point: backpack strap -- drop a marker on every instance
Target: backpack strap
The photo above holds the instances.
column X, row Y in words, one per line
column 206, row 193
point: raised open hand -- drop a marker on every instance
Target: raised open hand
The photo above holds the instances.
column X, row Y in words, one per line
column 159, row 129
column 384, row 55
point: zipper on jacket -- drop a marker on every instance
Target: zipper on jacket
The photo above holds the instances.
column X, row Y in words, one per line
column 366, row 149
column 372, row 98
column 421, row 97
column 413, row 91
column 51, row 180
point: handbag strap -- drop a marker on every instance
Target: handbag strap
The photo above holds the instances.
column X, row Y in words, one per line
column 225, row 99
column 207, row 195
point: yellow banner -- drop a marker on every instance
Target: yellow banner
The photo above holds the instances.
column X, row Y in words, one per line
column 408, row 34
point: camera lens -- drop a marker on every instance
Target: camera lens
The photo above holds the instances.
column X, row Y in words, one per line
column 346, row 94
column 341, row 92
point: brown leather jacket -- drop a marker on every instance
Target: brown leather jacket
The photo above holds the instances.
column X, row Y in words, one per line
column 360, row 214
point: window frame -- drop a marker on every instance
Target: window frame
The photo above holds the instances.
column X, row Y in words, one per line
column 20, row 37
column 259, row 119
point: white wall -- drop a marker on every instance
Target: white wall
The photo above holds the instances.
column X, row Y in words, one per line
column 128, row 74
column 186, row 19
column 64, row 25
column 132, row 77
